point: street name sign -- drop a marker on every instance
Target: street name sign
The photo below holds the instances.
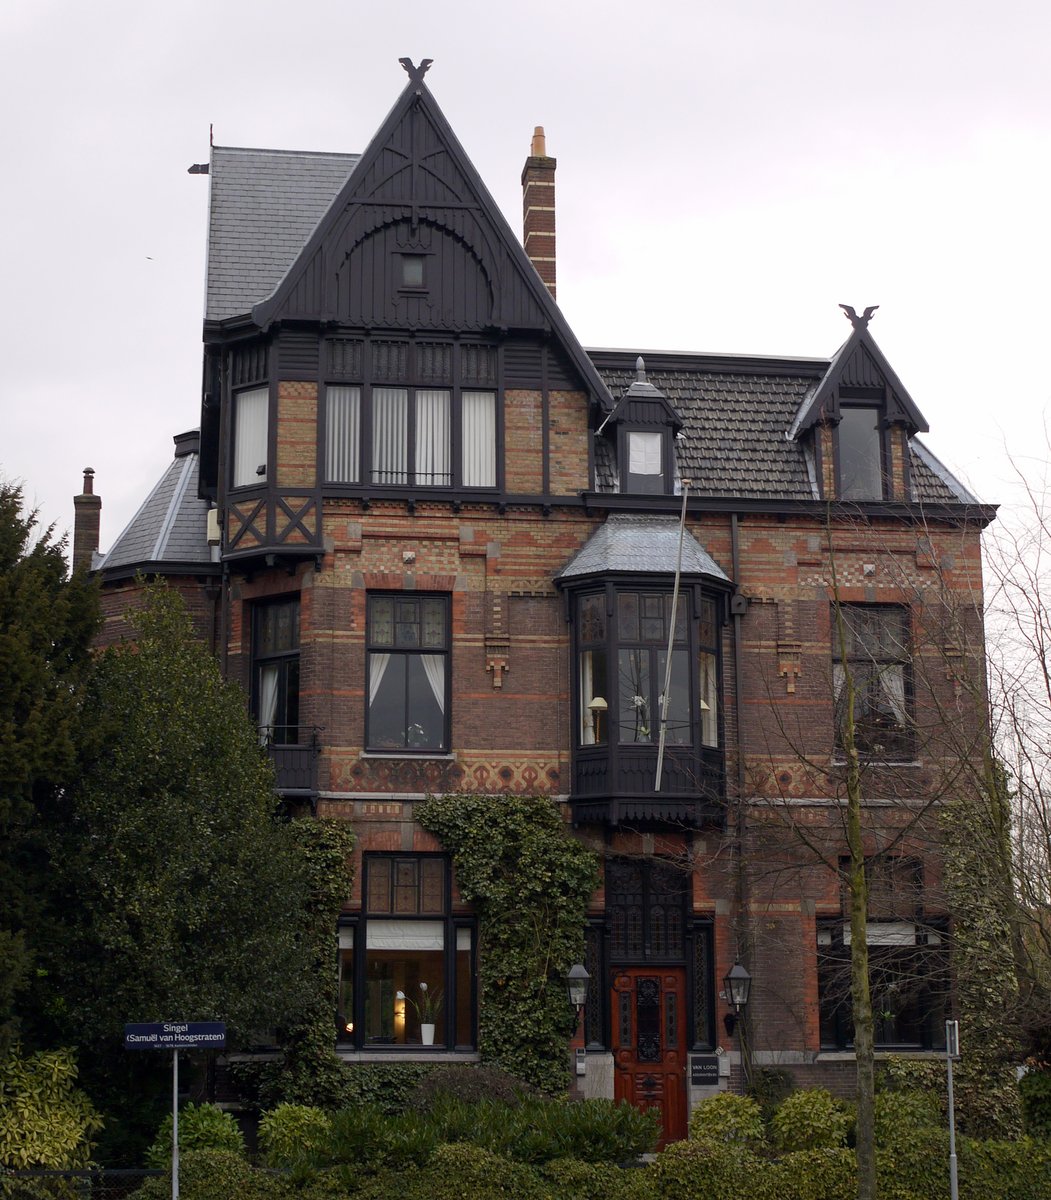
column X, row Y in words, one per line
column 175, row 1035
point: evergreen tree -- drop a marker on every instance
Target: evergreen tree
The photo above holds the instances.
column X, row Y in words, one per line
column 46, row 624
column 178, row 893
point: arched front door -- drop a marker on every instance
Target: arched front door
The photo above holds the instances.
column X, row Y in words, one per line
column 649, row 1043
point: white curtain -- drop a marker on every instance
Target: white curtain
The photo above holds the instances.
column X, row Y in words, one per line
column 390, row 407
column 587, row 694
column 377, row 669
column 892, row 683
column 250, row 436
column 433, row 467
column 434, row 669
column 268, row 677
column 405, row 935
column 709, row 702
column 644, row 453
column 479, row 439
column 342, row 429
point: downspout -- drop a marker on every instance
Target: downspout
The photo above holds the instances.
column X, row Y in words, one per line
column 738, row 606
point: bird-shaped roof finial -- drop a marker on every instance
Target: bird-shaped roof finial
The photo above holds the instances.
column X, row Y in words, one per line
column 416, row 74
column 852, row 316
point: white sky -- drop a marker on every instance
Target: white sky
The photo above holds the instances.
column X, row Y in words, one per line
column 728, row 171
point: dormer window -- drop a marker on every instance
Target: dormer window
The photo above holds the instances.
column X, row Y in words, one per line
column 645, row 462
column 860, row 445
column 644, row 424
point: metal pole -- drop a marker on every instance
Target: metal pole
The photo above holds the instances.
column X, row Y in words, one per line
column 175, row 1125
column 666, row 694
column 952, row 1046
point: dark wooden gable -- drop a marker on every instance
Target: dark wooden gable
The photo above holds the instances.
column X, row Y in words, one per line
column 414, row 192
column 859, row 370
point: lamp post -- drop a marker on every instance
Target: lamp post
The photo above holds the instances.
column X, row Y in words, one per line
column 952, row 1050
column 737, row 984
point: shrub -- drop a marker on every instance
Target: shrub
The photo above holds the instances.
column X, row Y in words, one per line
column 898, row 1115
column 1015, row 1170
column 386, row 1086
column 1035, row 1090
column 769, row 1086
column 694, row 1169
column 810, row 1120
column 201, row 1127
column 213, row 1175
column 467, row 1083
column 597, row 1181
column 815, row 1174
column 293, row 1133
column 458, row 1173
column 727, row 1118
column 45, row 1119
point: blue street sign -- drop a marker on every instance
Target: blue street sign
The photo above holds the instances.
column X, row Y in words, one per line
column 176, row 1035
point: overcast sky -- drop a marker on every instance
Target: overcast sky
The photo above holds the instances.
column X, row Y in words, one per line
column 728, row 171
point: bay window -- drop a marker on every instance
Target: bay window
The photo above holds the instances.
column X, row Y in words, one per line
column 622, row 634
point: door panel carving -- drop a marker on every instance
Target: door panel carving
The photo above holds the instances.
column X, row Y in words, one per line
column 650, row 1064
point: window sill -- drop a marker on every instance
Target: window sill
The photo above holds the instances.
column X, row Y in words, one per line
column 409, row 1053
column 880, row 1052
column 414, row 755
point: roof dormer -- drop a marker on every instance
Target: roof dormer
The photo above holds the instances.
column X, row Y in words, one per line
column 858, row 421
column 642, row 427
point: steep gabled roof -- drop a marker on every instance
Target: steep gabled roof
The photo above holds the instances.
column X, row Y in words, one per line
column 858, row 363
column 169, row 533
column 415, row 171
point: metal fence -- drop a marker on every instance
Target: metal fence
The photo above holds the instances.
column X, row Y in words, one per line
column 73, row 1185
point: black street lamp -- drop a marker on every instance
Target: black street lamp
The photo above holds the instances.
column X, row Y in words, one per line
column 577, row 984
column 737, row 984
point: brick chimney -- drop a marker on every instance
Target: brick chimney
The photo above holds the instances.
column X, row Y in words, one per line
column 538, row 209
column 86, row 516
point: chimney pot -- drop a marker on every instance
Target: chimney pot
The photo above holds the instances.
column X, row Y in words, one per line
column 87, row 508
column 538, row 209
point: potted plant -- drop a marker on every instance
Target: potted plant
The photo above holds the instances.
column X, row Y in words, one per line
column 427, row 1009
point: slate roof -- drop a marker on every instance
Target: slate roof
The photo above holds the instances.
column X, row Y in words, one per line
column 637, row 543
column 264, row 206
column 738, row 413
column 737, row 419
column 171, row 528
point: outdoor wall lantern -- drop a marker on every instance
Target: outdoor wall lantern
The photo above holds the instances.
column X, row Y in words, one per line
column 577, row 984
column 737, row 983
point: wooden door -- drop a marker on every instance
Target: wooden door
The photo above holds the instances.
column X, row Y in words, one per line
column 649, row 1043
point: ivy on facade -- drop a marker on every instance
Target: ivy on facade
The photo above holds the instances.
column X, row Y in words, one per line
column 530, row 883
